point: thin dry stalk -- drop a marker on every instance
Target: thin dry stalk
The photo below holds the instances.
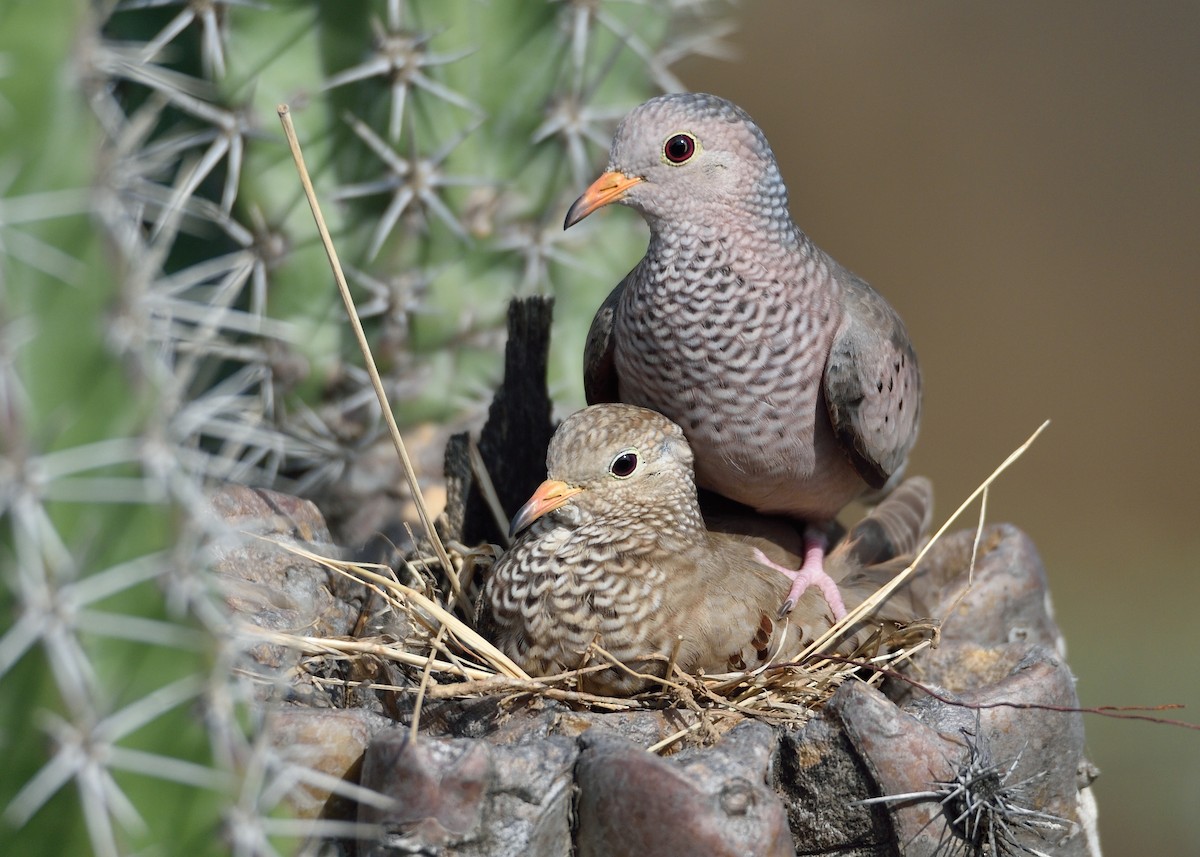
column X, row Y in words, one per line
column 868, row 606
column 427, row 611
column 416, row 715
column 387, row 651
column 671, row 739
column 470, row 666
column 488, row 488
column 410, row 474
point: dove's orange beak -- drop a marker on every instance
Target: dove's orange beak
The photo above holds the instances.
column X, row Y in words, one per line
column 610, row 187
column 549, row 496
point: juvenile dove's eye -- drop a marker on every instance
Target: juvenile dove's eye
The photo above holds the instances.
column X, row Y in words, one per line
column 623, row 465
column 679, row 148
column 738, row 329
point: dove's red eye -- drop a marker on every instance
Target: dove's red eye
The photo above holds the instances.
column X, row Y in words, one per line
column 624, row 464
column 679, row 148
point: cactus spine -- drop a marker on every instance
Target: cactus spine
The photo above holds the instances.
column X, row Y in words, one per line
column 167, row 319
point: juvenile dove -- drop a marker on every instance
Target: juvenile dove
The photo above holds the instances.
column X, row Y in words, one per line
column 613, row 550
column 794, row 381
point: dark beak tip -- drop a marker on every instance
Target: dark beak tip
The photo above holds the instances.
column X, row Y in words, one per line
column 573, row 216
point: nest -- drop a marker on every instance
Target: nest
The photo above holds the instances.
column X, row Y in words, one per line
column 433, row 595
column 454, row 662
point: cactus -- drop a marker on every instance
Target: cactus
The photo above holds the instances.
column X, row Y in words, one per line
column 167, row 319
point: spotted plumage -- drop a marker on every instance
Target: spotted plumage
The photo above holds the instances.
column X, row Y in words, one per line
column 794, row 381
column 613, row 550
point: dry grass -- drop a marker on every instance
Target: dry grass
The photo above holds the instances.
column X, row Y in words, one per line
column 453, row 661
column 449, row 659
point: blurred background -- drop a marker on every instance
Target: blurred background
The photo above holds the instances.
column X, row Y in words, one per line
column 1022, row 181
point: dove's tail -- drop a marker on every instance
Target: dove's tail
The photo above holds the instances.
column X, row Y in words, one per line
column 895, row 527
column 880, row 546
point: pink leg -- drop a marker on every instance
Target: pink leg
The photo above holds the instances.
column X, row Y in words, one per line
column 811, row 573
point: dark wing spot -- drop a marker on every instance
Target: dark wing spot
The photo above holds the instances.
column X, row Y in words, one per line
column 762, row 636
column 879, row 386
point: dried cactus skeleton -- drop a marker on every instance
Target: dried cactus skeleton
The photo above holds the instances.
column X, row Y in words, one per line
column 985, row 812
column 166, row 320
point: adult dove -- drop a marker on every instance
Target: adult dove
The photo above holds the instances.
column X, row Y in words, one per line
column 613, row 550
column 794, row 381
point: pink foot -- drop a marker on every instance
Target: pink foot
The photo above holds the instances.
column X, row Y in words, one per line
column 811, row 573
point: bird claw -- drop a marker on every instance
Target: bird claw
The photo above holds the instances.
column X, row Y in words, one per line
column 811, row 573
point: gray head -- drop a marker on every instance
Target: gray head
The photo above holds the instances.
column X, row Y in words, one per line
column 688, row 157
column 614, row 461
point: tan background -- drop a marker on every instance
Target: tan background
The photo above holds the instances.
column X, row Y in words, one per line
column 1022, row 180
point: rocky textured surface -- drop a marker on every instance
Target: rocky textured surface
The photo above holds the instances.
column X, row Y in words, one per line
column 990, row 729
column 523, row 776
column 272, row 587
column 469, row 797
column 713, row 801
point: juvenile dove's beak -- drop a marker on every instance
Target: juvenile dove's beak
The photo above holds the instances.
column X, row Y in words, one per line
column 549, row 496
column 608, row 188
